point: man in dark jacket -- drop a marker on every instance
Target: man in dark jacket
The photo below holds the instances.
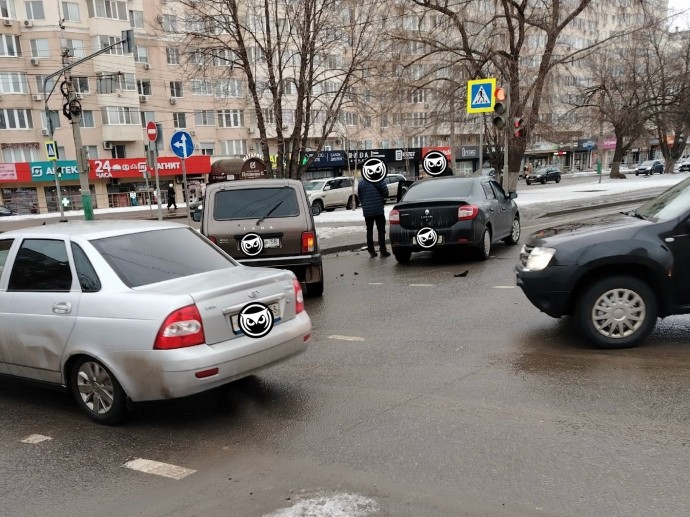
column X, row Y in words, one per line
column 372, row 197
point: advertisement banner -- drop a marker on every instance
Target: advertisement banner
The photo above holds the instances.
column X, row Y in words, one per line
column 8, row 172
column 136, row 167
column 45, row 171
column 15, row 172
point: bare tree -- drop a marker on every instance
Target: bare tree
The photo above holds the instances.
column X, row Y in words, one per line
column 522, row 42
column 298, row 58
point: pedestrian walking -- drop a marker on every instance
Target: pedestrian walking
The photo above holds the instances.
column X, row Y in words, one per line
column 372, row 197
column 171, row 196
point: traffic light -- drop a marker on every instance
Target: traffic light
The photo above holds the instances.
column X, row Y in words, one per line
column 500, row 108
column 518, row 127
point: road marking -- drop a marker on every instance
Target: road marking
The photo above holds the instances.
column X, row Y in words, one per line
column 422, row 285
column 346, row 338
column 35, row 438
column 504, row 287
column 352, row 505
column 375, row 283
column 159, row 469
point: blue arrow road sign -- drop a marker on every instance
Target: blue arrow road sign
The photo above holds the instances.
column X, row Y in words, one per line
column 181, row 144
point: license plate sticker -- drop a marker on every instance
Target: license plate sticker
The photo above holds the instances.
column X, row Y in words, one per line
column 272, row 243
column 235, row 318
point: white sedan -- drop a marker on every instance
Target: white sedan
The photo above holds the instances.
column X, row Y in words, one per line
column 138, row 310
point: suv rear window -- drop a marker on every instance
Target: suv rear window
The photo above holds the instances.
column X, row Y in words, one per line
column 255, row 203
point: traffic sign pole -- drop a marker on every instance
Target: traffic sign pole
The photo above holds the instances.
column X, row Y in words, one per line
column 183, row 147
column 158, row 183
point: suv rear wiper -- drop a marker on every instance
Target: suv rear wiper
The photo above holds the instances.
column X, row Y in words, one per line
column 273, row 208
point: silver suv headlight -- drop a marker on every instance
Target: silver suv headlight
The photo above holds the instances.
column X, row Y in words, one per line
column 539, row 258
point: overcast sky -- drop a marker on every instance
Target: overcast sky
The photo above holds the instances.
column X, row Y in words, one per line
column 675, row 6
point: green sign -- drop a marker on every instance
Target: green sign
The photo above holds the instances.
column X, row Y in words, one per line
column 45, row 171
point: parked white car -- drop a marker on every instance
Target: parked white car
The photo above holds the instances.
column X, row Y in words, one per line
column 139, row 310
column 331, row 193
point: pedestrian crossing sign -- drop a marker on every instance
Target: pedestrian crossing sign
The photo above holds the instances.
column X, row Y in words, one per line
column 480, row 95
column 51, row 150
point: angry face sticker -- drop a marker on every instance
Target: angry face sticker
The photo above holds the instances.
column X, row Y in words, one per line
column 435, row 163
column 251, row 244
column 374, row 170
column 256, row 320
column 427, row 238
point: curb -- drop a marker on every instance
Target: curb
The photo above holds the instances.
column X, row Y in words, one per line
column 612, row 204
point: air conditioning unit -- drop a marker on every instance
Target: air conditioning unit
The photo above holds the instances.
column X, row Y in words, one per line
column 28, row 23
column 192, row 132
column 147, row 66
column 107, row 146
column 38, row 97
column 143, row 98
column 250, row 130
column 326, row 147
column 45, row 131
column 173, row 100
column 35, row 62
column 197, row 146
column 8, row 23
column 79, row 97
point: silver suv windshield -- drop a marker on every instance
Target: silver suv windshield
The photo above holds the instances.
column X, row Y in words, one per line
column 669, row 205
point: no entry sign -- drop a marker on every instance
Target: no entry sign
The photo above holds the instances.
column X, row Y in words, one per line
column 151, row 131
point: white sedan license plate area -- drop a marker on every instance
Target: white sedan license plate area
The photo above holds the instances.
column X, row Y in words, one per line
column 235, row 318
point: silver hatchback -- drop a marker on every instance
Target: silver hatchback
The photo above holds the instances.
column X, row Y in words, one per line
column 138, row 310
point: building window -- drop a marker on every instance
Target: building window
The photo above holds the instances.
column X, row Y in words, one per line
column 419, row 119
column 172, row 55
column 176, row 89
column 180, row 120
column 9, row 46
column 118, row 151
column 54, row 119
column 87, row 119
column 120, row 115
column 384, row 120
column 207, row 148
column 350, row 118
column 205, row 118
column 34, row 10
column 39, row 84
column 385, row 144
column 91, row 151
column 144, row 87
column 76, row 47
column 169, row 23
column 136, row 19
column 16, row 119
column 420, row 141
column 141, row 55
column 6, row 9
column 224, row 57
column 366, row 121
column 229, row 88
column 70, row 11
column 40, row 47
column 368, row 144
column 230, row 118
column 101, row 42
column 20, row 153
column 81, row 84
column 201, row 87
column 418, row 96
column 288, row 86
column 233, row 147
column 13, row 82
column 108, row 9
column 146, row 117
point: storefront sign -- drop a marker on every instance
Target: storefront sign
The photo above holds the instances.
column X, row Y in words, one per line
column 136, row 167
column 609, row 143
column 8, row 172
column 325, row 159
column 468, row 152
column 45, row 171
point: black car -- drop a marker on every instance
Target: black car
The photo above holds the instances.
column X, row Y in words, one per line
column 650, row 167
column 6, row 210
column 544, row 174
column 616, row 275
column 452, row 212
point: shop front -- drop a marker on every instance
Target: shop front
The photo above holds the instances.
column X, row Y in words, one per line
column 326, row 164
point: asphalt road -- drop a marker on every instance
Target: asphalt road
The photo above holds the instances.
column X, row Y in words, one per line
column 422, row 393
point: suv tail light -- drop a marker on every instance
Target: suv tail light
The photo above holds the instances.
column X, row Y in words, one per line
column 181, row 329
column 394, row 217
column 467, row 212
column 308, row 242
column 299, row 296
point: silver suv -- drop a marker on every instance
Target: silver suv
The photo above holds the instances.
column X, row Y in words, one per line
column 331, row 193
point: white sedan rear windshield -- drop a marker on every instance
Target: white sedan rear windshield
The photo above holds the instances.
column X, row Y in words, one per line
column 144, row 258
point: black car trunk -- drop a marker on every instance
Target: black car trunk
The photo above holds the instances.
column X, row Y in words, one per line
column 436, row 214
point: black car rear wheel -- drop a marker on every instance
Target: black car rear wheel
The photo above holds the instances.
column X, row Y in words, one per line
column 617, row 312
column 558, row 179
column 402, row 256
column 484, row 249
column 543, row 181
